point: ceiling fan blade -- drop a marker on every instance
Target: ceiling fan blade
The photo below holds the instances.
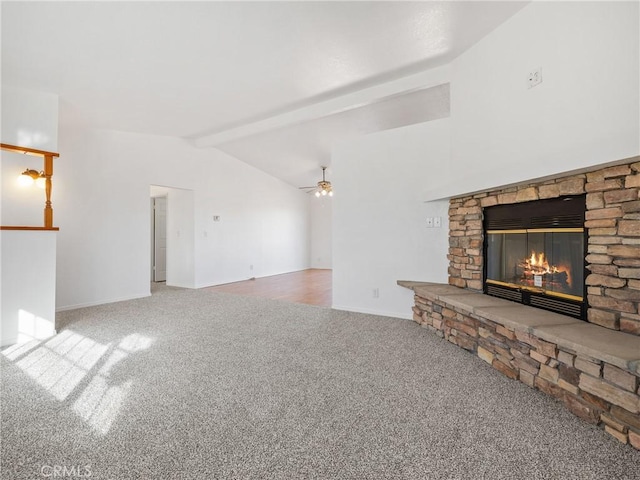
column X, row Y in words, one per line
column 303, row 188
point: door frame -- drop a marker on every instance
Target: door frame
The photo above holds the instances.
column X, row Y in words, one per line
column 154, row 232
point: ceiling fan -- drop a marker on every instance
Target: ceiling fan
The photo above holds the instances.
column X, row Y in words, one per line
column 323, row 188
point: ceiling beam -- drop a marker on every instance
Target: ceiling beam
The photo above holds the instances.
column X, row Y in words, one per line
column 360, row 98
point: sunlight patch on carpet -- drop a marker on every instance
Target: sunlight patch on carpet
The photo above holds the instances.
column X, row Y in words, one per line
column 62, row 363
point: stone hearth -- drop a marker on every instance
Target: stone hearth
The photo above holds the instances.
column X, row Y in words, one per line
column 594, row 371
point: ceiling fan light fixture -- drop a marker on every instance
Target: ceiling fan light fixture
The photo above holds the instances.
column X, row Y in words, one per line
column 323, row 187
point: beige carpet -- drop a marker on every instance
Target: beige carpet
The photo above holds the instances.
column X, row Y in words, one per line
column 197, row 385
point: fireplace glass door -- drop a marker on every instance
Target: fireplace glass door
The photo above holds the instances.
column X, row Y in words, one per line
column 534, row 253
column 549, row 261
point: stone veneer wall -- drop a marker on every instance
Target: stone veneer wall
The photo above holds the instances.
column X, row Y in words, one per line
column 613, row 223
column 596, row 391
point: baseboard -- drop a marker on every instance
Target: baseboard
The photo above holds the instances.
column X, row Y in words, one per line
column 368, row 311
column 94, row 304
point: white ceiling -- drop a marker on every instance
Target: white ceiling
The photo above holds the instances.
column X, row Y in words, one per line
column 210, row 71
column 297, row 150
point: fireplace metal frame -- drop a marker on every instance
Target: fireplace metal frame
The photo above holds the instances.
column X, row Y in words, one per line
column 563, row 213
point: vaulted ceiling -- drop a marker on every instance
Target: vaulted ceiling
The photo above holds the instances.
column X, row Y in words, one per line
column 275, row 84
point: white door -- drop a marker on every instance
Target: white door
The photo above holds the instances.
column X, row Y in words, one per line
column 160, row 239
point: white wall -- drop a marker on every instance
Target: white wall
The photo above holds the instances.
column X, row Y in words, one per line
column 103, row 187
column 263, row 226
column 28, row 285
column 585, row 112
column 180, row 238
column 29, row 119
column 321, row 232
column 379, row 230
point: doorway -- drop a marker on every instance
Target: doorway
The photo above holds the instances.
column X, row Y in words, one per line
column 159, row 241
column 171, row 232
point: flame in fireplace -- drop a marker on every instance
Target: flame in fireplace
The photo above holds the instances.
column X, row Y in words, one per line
column 537, row 264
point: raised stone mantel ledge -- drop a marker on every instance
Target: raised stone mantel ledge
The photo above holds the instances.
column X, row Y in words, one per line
column 617, row 348
column 594, row 371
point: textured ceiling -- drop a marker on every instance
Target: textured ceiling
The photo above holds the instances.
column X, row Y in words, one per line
column 197, row 69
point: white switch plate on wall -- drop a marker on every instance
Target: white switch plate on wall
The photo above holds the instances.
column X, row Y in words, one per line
column 535, row 77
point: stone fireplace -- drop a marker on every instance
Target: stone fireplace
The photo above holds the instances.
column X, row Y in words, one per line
column 612, row 222
column 589, row 357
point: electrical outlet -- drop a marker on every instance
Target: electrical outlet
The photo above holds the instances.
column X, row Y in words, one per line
column 216, row 218
column 376, row 293
column 429, row 222
column 437, row 222
column 535, row 77
column 250, row 267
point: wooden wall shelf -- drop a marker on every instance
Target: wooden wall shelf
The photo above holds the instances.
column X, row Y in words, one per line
column 55, row 229
column 28, row 151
